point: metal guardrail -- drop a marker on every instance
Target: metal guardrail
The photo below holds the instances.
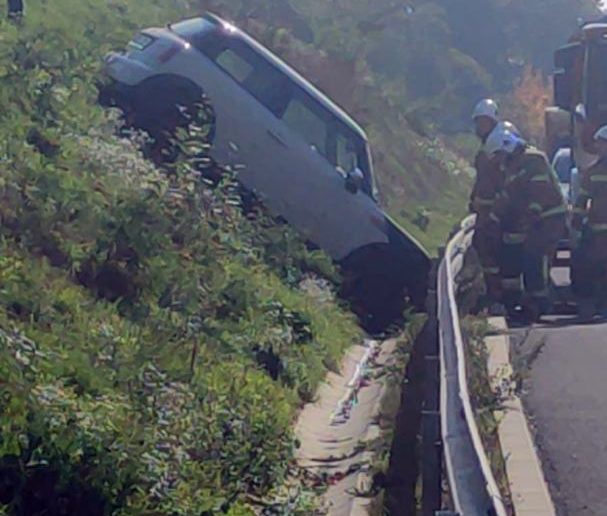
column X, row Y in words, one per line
column 473, row 488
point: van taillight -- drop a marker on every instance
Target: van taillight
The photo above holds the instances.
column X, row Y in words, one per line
column 168, row 53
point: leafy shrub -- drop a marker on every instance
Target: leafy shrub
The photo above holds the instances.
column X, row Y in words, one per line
column 155, row 343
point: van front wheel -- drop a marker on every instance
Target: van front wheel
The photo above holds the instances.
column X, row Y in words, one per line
column 378, row 300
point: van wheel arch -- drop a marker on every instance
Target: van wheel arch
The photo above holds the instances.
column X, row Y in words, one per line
column 377, row 284
column 156, row 106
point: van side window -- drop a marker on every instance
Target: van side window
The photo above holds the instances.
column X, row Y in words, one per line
column 248, row 68
column 346, row 153
column 235, row 65
column 305, row 122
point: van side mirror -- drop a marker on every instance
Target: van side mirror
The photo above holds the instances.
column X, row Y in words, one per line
column 355, row 180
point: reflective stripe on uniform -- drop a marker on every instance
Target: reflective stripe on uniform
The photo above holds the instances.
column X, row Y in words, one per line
column 491, row 270
column 535, row 206
column 515, row 177
column 513, row 238
column 559, row 210
column 598, row 227
column 598, row 179
column 540, row 293
column 540, row 179
column 512, row 284
column 480, row 201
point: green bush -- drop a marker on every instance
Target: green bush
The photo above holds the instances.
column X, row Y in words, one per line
column 155, row 342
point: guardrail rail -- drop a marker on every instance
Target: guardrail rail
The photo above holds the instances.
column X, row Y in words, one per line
column 473, row 489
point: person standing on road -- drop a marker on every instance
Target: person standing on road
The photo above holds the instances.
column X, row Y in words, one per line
column 532, row 195
column 489, row 180
column 15, row 9
column 589, row 234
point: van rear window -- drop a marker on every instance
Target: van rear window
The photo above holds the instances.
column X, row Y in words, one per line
column 234, row 64
column 140, row 42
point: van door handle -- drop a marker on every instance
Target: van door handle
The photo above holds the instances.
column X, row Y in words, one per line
column 277, row 137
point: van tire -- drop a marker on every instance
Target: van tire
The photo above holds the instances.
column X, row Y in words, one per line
column 417, row 292
column 378, row 301
column 162, row 105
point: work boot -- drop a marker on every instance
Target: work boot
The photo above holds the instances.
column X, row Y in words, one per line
column 530, row 311
column 586, row 309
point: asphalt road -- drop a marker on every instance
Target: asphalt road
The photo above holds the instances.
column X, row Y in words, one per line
column 566, row 399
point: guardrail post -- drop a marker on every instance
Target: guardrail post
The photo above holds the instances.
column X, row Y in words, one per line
column 431, row 431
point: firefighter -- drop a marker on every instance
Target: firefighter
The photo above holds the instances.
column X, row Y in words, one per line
column 489, row 179
column 589, row 233
column 531, row 199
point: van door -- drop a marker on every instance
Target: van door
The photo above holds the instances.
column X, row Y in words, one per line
column 336, row 220
column 224, row 66
column 286, row 141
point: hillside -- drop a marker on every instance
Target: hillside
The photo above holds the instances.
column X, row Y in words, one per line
column 155, row 343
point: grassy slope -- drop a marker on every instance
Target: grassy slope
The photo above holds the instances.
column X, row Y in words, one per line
column 154, row 343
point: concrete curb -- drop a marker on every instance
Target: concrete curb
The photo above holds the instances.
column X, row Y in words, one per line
column 530, row 493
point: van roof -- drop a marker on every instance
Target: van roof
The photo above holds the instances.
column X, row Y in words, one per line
column 296, row 77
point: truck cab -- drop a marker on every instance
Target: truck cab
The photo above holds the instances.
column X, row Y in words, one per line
column 580, row 94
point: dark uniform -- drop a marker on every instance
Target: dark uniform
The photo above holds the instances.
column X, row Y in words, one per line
column 487, row 184
column 589, row 267
column 532, row 213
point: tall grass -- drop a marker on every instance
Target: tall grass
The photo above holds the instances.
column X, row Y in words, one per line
column 155, row 343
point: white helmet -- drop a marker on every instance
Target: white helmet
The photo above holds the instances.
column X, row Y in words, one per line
column 508, row 126
column 488, row 108
column 601, row 134
column 503, row 140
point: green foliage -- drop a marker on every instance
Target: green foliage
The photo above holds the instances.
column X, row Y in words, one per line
column 155, row 341
column 485, row 400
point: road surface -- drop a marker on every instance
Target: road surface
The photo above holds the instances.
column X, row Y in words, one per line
column 567, row 403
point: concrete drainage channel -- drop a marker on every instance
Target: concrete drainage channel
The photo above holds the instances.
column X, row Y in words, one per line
column 335, row 430
column 343, row 433
column 338, row 433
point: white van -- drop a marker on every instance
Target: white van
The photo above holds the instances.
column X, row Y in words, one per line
column 303, row 156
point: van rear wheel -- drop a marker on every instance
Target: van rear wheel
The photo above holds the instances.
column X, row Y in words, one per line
column 161, row 106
